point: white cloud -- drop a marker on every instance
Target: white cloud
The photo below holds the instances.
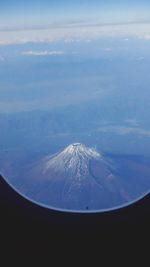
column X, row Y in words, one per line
column 120, row 130
column 132, row 121
column 70, row 40
column 108, row 49
column 16, row 40
column 146, row 37
column 42, row 53
column 75, row 33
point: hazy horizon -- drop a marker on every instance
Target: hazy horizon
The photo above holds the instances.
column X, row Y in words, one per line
column 35, row 21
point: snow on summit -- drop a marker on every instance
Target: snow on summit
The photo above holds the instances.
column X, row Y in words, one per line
column 75, row 158
column 78, row 149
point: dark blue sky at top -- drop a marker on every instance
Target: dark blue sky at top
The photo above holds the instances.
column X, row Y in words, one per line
column 39, row 4
column 35, row 11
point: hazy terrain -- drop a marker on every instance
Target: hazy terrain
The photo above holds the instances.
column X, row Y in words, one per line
column 55, row 94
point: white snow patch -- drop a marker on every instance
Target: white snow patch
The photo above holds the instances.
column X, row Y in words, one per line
column 75, row 159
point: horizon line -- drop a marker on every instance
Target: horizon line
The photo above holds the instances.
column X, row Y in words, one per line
column 70, row 25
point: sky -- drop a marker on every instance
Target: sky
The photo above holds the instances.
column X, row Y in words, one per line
column 19, row 18
column 37, row 11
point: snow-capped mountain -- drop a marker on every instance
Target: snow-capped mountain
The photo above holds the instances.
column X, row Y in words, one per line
column 80, row 178
column 77, row 178
column 74, row 159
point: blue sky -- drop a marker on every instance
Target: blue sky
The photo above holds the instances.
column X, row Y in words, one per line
column 42, row 15
column 14, row 12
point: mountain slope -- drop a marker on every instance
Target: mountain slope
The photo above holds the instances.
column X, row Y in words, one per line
column 77, row 178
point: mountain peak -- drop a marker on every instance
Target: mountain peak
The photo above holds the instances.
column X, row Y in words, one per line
column 75, row 156
column 78, row 178
column 78, row 149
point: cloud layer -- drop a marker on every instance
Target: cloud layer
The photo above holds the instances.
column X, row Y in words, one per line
column 121, row 130
column 75, row 32
column 43, row 53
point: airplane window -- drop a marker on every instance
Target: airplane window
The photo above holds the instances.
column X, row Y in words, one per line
column 75, row 102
